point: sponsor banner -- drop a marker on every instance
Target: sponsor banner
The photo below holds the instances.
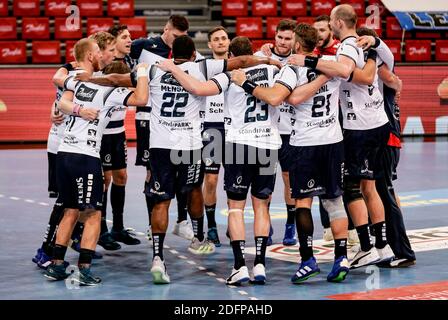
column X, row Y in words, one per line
column 35, row 28
column 423, row 104
column 46, row 52
column 56, row 8
column 421, row 240
column 234, row 8
column 120, row 8
column 91, row 8
column 8, row 28
column 136, row 27
column 425, row 291
column 264, row 8
column 26, row 8
column 251, row 27
column 3, row 8
column 421, row 15
column 27, row 95
column 95, row 25
column 294, row 8
column 12, row 52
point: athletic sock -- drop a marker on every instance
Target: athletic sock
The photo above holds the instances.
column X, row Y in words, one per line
column 182, row 210
column 380, row 235
column 104, row 213
column 50, row 234
column 238, row 253
column 210, row 212
column 260, row 253
column 117, row 196
column 198, row 227
column 340, row 247
column 157, row 248
column 305, row 230
column 291, row 210
column 364, row 237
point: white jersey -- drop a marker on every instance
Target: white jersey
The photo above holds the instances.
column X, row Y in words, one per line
column 362, row 105
column 286, row 110
column 82, row 136
column 214, row 108
column 57, row 131
column 175, row 122
column 116, row 123
column 316, row 121
column 248, row 120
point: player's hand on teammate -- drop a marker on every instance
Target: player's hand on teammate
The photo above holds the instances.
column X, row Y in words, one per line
column 398, row 91
column 83, row 76
column 142, row 65
column 266, row 49
column 276, row 63
column 365, row 42
column 56, row 117
column 166, row 65
column 89, row 114
column 297, row 59
column 238, row 77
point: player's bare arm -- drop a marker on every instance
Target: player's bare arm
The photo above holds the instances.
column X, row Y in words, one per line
column 189, row 83
column 250, row 61
column 55, row 116
column 66, row 105
column 341, row 68
column 113, row 79
column 306, row 91
column 140, row 95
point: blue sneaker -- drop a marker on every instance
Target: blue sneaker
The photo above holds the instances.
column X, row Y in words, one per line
column 212, row 235
column 44, row 261
column 340, row 270
column 307, row 269
column 290, row 235
column 271, row 232
column 38, row 255
column 56, row 272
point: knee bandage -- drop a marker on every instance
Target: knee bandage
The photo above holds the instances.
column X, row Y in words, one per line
column 352, row 190
column 335, row 208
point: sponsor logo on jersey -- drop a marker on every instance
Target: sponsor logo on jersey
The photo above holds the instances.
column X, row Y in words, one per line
column 311, row 183
column 157, row 185
column 239, row 179
column 168, row 78
column 85, row 93
column 146, row 154
column 257, row 75
column 107, row 158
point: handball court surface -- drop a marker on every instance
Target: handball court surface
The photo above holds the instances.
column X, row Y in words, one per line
column 25, row 207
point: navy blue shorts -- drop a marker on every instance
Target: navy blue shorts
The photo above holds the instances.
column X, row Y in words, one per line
column 213, row 150
column 80, row 181
column 317, row 171
column 172, row 171
column 114, row 151
column 142, row 134
column 284, row 153
column 249, row 167
column 52, row 185
column 364, row 150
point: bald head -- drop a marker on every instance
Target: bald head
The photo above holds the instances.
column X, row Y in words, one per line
column 346, row 13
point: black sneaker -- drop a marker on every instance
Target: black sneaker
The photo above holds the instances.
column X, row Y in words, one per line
column 85, row 278
column 108, row 243
column 124, row 237
column 56, row 272
column 212, row 235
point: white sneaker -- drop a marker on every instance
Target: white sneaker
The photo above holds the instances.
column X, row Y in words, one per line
column 204, row 247
column 184, row 230
column 365, row 258
column 259, row 272
column 158, row 271
column 386, row 254
column 353, row 237
column 238, row 276
column 328, row 235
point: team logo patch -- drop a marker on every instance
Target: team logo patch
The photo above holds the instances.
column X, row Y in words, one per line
column 146, row 154
column 311, row 183
column 157, row 185
column 85, row 93
column 208, row 162
column 239, row 179
column 107, row 158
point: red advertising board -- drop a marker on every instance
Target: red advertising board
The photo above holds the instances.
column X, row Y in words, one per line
column 26, row 8
column 234, row 8
column 8, row 28
column 264, row 8
column 98, row 24
column 136, row 27
column 91, row 8
column 35, row 28
column 423, row 110
column 64, row 30
column 56, row 8
column 120, row 8
column 3, row 8
column 12, row 52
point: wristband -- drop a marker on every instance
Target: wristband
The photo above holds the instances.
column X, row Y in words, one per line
column 76, row 109
column 141, row 72
column 377, row 42
column 372, row 54
column 311, row 62
column 249, row 86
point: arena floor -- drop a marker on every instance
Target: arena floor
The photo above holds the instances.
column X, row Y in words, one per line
column 25, row 208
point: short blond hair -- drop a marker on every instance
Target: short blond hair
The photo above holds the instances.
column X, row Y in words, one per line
column 81, row 47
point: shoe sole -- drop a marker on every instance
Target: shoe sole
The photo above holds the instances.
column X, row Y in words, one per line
column 238, row 282
column 53, row 278
column 289, row 243
column 200, row 253
column 340, row 277
column 259, row 280
column 306, row 278
column 158, row 278
column 109, row 248
column 176, row 234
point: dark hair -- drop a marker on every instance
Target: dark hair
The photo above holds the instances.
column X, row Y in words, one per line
column 240, row 46
column 179, row 22
column 306, row 35
column 286, row 24
column 116, row 67
column 323, row 17
column 364, row 31
column 115, row 30
column 183, row 47
column 216, row 29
